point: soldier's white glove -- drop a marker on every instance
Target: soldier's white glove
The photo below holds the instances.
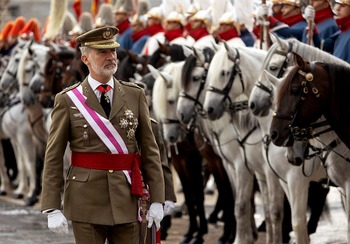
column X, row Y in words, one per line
column 57, row 222
column 309, row 13
column 155, row 214
column 261, row 12
column 168, row 207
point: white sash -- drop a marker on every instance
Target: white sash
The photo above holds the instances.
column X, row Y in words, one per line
column 102, row 126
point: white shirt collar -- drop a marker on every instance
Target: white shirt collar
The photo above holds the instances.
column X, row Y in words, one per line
column 94, row 83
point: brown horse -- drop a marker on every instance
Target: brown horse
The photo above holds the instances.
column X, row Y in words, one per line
column 309, row 91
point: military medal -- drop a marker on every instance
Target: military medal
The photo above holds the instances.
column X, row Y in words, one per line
column 129, row 122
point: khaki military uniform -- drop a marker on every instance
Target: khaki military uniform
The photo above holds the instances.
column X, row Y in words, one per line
column 99, row 196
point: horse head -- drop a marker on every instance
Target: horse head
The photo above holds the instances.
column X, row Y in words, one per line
column 262, row 96
column 232, row 72
column 164, row 100
column 193, row 84
column 298, row 102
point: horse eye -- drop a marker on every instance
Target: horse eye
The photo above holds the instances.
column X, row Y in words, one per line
column 171, row 102
column 273, row 68
column 223, row 72
column 195, row 78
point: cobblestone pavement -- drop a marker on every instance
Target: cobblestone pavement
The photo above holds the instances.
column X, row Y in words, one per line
column 26, row 225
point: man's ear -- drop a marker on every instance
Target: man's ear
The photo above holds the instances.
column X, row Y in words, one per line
column 84, row 59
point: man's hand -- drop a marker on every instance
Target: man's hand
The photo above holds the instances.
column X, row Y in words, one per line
column 261, row 12
column 155, row 214
column 309, row 13
column 57, row 222
column 168, row 207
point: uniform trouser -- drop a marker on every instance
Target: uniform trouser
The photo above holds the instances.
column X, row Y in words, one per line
column 85, row 233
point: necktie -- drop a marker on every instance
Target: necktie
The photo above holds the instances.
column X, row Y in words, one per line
column 104, row 101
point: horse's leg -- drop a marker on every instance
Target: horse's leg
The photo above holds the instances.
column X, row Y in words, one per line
column 180, row 167
column 316, row 201
column 28, row 152
column 298, row 192
column 4, row 179
column 195, row 160
column 225, row 196
column 262, row 182
column 10, row 159
column 276, row 203
column 18, row 193
column 243, row 204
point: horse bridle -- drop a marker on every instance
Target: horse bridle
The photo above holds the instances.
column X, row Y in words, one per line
column 297, row 132
column 230, row 106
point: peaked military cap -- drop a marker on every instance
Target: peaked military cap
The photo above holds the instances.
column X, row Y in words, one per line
column 99, row 38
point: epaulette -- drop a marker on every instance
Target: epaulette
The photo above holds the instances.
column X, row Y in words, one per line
column 131, row 84
column 154, row 121
column 70, row 87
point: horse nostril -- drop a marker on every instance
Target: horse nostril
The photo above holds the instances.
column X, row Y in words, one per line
column 252, row 106
column 273, row 135
column 210, row 110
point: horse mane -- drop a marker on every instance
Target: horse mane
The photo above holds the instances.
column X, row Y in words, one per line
column 341, row 85
column 284, row 85
column 176, row 53
column 311, row 53
column 190, row 64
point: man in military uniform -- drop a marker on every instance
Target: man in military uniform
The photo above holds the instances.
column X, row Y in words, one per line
column 103, row 186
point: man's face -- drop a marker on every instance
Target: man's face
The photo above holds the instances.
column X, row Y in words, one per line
column 277, row 8
column 172, row 25
column 341, row 10
column 152, row 21
column 320, row 4
column 224, row 27
column 101, row 62
column 196, row 24
column 289, row 10
column 120, row 17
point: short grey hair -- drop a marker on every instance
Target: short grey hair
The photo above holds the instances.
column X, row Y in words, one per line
column 84, row 50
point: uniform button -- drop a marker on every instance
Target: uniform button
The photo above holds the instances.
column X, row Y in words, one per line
column 73, row 177
column 110, row 171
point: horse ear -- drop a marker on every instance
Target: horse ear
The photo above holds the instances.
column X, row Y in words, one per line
column 273, row 79
column 199, row 55
column 154, row 72
column 216, row 47
column 281, row 42
column 299, row 61
column 167, row 78
column 229, row 50
column 30, row 51
column 187, row 51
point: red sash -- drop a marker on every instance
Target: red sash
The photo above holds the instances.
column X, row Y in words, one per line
column 109, row 161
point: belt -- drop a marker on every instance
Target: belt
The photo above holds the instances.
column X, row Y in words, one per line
column 109, row 161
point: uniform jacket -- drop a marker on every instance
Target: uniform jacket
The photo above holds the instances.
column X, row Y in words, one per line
column 99, row 196
column 168, row 176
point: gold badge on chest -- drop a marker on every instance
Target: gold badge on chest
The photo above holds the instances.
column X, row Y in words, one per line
column 129, row 123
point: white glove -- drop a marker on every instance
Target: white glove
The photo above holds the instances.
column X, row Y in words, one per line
column 155, row 214
column 262, row 10
column 309, row 13
column 168, row 207
column 57, row 222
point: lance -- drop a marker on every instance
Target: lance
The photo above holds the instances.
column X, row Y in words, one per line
column 264, row 31
column 310, row 26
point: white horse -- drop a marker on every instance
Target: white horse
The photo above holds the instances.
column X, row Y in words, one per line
column 276, row 63
column 295, row 180
column 190, row 112
column 184, row 155
column 19, row 129
column 231, row 76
